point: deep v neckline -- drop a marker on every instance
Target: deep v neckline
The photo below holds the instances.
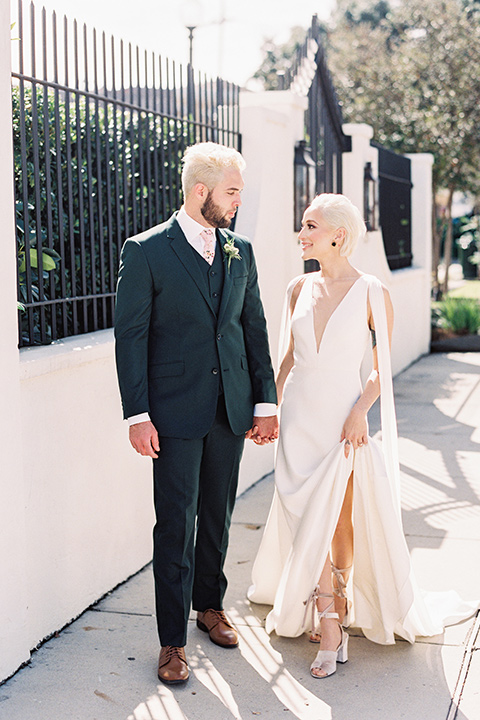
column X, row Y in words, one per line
column 318, row 344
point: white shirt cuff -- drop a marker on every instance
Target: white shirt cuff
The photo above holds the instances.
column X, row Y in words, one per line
column 260, row 410
column 143, row 417
column 264, row 410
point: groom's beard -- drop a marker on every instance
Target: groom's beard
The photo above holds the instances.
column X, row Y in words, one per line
column 213, row 213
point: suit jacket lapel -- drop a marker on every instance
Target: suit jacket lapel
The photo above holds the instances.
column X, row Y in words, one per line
column 227, row 278
column 183, row 250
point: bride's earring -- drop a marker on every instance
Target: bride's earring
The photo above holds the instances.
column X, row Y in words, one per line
column 334, row 244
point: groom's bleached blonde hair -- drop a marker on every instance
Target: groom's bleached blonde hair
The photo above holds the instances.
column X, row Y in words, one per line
column 339, row 212
column 206, row 162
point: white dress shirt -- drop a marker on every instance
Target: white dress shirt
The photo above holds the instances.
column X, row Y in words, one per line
column 192, row 229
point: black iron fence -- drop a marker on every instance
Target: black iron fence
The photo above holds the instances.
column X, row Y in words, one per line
column 309, row 75
column 395, row 206
column 99, row 130
column 324, row 135
column 323, row 123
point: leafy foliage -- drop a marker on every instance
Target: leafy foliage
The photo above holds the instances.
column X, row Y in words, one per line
column 458, row 315
column 86, row 177
column 415, row 77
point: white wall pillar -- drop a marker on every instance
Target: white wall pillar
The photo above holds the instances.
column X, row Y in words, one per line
column 271, row 124
column 409, row 288
column 354, row 161
column 422, row 164
column 13, row 442
column 369, row 255
column 422, row 201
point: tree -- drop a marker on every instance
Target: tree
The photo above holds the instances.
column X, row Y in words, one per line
column 415, row 77
column 412, row 72
column 277, row 58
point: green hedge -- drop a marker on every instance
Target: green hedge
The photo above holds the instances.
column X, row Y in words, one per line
column 77, row 183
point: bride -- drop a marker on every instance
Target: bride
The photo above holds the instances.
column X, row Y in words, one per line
column 333, row 482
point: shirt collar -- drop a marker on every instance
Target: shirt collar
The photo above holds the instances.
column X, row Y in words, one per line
column 190, row 227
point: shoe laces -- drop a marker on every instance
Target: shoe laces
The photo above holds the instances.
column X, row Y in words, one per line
column 172, row 651
column 219, row 616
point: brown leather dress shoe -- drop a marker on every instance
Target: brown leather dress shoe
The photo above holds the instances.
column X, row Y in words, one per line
column 172, row 665
column 220, row 631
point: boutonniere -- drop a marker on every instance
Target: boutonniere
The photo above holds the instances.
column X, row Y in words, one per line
column 231, row 252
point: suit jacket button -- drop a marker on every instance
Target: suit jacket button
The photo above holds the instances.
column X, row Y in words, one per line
column 215, row 371
column 219, row 337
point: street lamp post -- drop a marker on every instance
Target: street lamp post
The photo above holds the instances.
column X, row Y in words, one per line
column 191, row 11
column 190, row 42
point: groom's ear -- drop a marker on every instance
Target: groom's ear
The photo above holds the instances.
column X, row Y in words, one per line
column 200, row 191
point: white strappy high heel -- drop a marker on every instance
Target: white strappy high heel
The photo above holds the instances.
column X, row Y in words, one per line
column 340, row 591
column 326, row 660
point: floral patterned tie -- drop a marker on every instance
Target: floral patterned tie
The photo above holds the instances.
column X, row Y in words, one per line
column 209, row 246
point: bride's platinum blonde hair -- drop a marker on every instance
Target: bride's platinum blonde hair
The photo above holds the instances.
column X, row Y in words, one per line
column 205, row 163
column 339, row 212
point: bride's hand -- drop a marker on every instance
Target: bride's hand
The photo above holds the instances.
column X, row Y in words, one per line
column 355, row 430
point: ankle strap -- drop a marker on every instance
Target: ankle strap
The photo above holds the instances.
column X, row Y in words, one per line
column 312, row 599
column 341, row 582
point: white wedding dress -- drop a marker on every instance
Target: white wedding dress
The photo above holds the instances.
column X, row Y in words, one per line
column 311, row 476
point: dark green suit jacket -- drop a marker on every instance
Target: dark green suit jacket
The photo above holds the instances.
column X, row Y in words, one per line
column 171, row 349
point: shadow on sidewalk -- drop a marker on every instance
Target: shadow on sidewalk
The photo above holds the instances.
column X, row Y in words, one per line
column 439, row 446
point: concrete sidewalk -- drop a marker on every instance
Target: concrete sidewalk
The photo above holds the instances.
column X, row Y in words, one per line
column 103, row 666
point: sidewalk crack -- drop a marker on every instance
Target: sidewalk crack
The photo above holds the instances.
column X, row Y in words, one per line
column 472, row 639
column 120, row 612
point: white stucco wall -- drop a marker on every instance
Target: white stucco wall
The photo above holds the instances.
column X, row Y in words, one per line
column 14, row 640
column 88, row 503
column 271, row 124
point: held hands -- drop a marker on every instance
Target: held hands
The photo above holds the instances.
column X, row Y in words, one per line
column 355, row 431
column 264, row 430
column 144, row 439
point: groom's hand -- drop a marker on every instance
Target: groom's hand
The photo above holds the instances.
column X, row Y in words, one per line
column 144, row 439
column 264, row 430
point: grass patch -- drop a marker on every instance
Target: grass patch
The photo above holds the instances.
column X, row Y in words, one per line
column 471, row 289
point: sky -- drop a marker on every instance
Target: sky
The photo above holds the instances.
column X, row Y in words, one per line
column 231, row 49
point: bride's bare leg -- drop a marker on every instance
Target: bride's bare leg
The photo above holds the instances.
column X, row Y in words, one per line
column 342, row 554
column 331, row 634
column 342, row 545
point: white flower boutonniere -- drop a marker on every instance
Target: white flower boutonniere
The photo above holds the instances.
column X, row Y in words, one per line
column 231, row 252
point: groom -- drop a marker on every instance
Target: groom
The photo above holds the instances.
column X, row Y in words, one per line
column 195, row 378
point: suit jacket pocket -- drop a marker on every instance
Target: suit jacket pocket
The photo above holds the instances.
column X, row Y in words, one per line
column 240, row 280
column 167, row 369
